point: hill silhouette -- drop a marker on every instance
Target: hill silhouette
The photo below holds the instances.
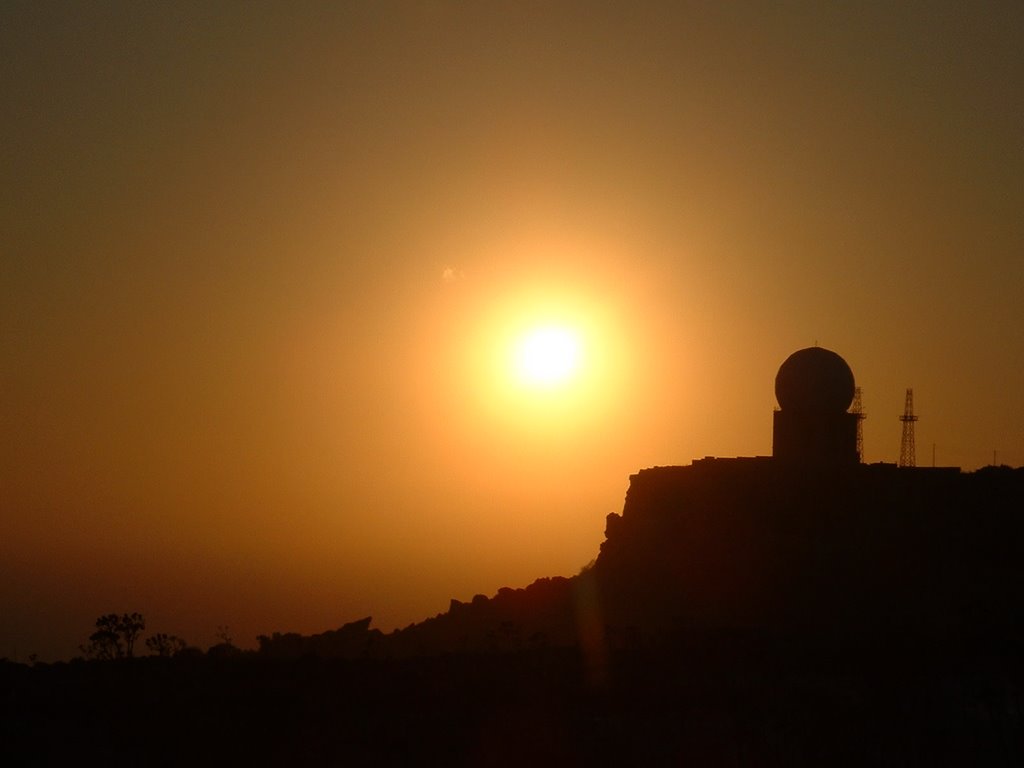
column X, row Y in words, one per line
column 849, row 555
column 741, row 611
column 798, row 609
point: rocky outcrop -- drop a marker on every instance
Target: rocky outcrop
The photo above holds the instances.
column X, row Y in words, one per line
column 352, row 640
column 862, row 550
column 848, row 553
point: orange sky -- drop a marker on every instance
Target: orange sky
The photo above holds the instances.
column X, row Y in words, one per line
column 261, row 264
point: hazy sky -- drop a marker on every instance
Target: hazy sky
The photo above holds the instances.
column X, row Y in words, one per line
column 263, row 265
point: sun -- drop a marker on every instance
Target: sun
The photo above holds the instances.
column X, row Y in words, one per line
column 536, row 360
column 548, row 356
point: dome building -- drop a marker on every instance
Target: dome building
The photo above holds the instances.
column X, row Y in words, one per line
column 814, row 388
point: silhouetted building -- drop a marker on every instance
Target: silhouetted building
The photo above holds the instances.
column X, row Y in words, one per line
column 815, row 387
column 848, row 550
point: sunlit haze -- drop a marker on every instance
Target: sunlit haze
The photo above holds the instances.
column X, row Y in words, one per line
column 317, row 311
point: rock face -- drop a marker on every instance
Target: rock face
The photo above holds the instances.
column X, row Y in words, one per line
column 538, row 616
column 352, row 640
column 847, row 550
column 837, row 555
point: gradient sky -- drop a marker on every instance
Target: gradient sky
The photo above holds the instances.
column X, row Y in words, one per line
column 261, row 263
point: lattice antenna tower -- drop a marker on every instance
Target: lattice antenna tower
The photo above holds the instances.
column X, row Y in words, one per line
column 908, row 453
column 857, row 409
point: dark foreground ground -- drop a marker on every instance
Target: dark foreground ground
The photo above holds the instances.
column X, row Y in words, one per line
column 722, row 701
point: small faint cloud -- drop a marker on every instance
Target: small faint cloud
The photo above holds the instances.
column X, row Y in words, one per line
column 452, row 274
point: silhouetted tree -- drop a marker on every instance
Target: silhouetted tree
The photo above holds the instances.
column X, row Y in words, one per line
column 104, row 643
column 226, row 648
column 165, row 645
column 130, row 627
column 115, row 636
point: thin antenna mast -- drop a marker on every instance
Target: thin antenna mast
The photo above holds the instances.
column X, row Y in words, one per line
column 857, row 409
column 908, row 452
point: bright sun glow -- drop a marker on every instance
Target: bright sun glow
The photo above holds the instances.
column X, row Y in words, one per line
column 540, row 356
column 548, row 356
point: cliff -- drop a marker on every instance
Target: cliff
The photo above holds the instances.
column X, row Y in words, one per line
column 845, row 551
column 848, row 554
